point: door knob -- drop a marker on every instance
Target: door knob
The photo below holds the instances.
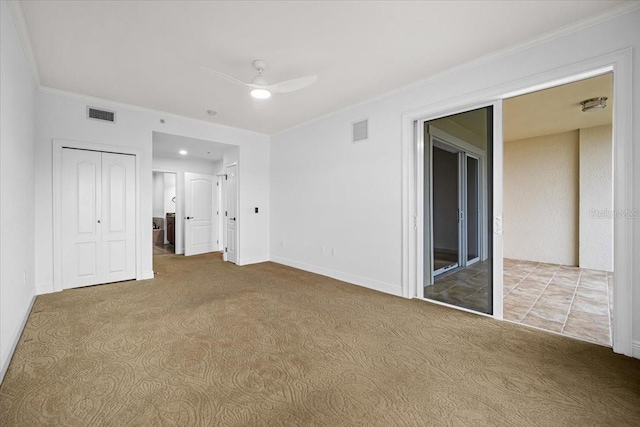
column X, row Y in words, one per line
column 189, row 217
column 232, row 219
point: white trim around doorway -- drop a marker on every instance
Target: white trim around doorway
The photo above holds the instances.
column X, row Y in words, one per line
column 58, row 145
column 238, row 215
column 620, row 62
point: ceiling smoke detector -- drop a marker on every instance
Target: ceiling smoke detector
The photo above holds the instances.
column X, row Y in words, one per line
column 594, row 104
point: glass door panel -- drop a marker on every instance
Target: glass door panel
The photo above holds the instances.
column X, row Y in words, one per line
column 457, row 198
column 446, row 250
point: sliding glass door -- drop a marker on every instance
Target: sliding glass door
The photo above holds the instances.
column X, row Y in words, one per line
column 457, row 236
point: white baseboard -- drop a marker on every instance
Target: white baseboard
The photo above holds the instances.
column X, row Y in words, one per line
column 44, row 288
column 14, row 338
column 253, row 260
column 345, row 277
column 635, row 349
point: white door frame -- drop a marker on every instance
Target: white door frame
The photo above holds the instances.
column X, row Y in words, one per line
column 481, row 214
column 224, row 216
column 620, row 62
column 479, row 154
column 219, row 213
column 58, row 145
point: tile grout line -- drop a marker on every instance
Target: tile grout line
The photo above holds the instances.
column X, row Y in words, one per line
column 539, row 296
column 521, row 280
column 572, row 300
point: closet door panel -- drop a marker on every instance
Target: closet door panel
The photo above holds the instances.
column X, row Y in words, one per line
column 118, row 181
column 80, row 212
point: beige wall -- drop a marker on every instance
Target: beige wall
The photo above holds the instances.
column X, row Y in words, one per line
column 596, row 198
column 541, row 185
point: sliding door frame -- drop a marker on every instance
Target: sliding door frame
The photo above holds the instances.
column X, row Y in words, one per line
column 621, row 63
column 480, row 214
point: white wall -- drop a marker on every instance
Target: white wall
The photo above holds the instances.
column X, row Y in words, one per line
column 158, row 195
column 327, row 191
column 181, row 166
column 596, row 198
column 62, row 116
column 17, row 205
column 169, row 193
column 541, row 188
column 169, row 200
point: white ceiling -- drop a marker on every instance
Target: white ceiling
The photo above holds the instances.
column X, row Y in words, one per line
column 557, row 109
column 149, row 53
column 168, row 146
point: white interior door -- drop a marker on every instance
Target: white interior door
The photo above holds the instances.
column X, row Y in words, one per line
column 118, row 217
column 231, row 214
column 80, row 213
column 200, row 214
column 97, row 217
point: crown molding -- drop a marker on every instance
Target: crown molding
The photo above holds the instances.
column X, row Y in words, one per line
column 623, row 9
column 131, row 107
column 23, row 36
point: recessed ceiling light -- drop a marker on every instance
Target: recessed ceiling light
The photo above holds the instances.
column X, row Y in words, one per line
column 183, row 152
column 594, row 104
column 260, row 93
column 211, row 112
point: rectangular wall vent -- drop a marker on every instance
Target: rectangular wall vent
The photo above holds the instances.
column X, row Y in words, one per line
column 102, row 115
column 360, row 131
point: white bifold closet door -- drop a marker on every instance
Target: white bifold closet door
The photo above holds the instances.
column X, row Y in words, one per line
column 98, row 217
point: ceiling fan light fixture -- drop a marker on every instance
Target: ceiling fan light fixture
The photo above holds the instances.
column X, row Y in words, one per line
column 261, row 93
column 594, row 104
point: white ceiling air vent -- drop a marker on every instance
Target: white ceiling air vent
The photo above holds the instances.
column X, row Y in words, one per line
column 102, row 115
column 360, row 130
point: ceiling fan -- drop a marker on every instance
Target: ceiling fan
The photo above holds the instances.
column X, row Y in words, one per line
column 263, row 90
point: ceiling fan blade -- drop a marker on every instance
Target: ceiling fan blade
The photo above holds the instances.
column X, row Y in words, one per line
column 293, row 85
column 226, row 76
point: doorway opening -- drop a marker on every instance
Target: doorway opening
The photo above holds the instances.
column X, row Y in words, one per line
column 198, row 202
column 164, row 213
column 456, row 201
column 623, row 212
column 559, row 209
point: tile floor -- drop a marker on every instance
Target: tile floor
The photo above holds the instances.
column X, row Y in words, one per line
column 572, row 301
column 163, row 250
column 464, row 287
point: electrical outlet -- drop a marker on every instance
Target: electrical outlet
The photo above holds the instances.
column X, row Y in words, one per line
column 322, row 248
column 282, row 243
column 333, row 251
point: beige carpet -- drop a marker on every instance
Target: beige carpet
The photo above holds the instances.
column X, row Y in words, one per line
column 212, row 344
